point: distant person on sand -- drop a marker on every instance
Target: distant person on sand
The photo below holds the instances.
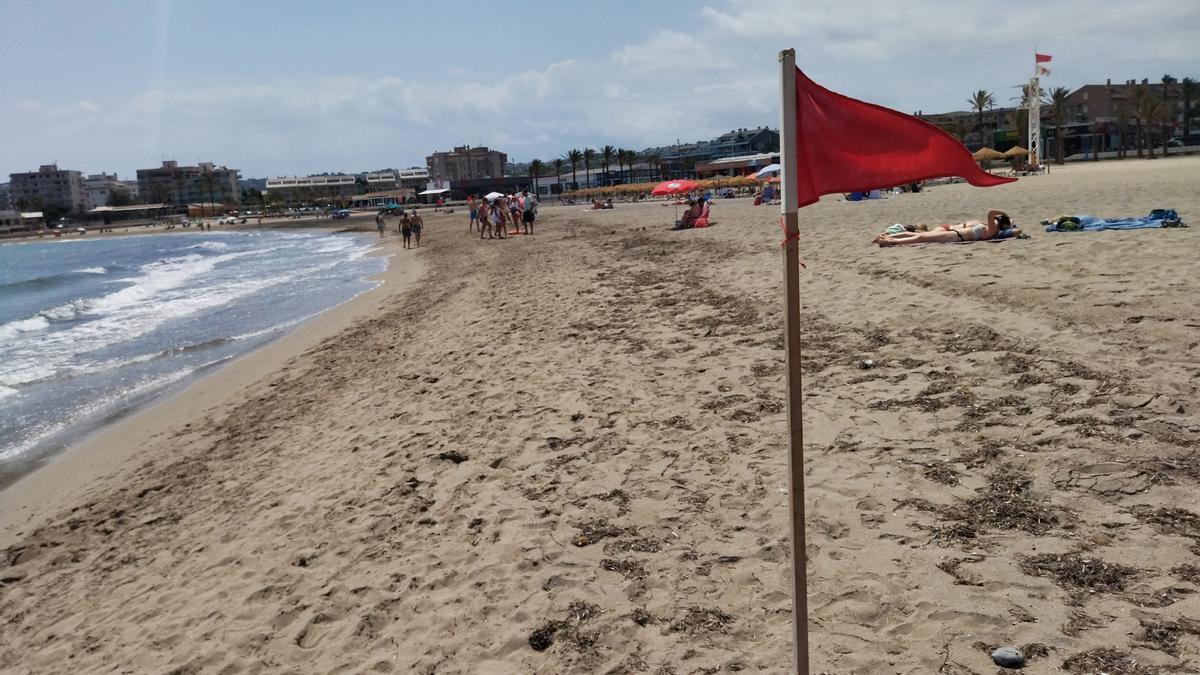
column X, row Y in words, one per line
column 414, row 219
column 474, row 209
column 499, row 214
column 406, row 230
column 379, row 222
column 971, row 230
column 485, row 218
column 529, row 213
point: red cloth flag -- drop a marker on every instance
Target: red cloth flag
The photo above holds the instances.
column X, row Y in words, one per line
column 1043, row 70
column 1041, row 58
column 847, row 145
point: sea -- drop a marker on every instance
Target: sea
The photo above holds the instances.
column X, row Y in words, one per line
column 93, row 328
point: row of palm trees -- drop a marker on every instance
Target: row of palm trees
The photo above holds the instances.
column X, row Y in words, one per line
column 588, row 158
column 1150, row 114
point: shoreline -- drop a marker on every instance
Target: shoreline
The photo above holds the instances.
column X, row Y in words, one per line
column 96, row 459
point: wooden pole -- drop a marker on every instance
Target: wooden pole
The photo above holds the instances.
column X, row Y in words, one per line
column 791, row 294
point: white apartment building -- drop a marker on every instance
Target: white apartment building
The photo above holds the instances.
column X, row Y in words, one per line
column 337, row 185
column 98, row 186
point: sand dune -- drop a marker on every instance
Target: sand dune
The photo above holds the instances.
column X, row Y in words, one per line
column 566, row 453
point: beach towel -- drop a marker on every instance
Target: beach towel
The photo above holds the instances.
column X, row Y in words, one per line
column 1157, row 218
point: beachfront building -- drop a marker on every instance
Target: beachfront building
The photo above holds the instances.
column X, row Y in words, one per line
column 174, row 184
column 741, row 165
column 382, row 181
column 98, row 188
column 1095, row 112
column 680, row 160
column 48, row 187
column 465, row 163
column 414, row 178
column 309, row 188
column 4, row 203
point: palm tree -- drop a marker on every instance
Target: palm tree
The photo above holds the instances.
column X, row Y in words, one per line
column 1168, row 110
column 607, row 153
column 982, row 100
column 1058, row 112
column 535, row 169
column 1187, row 89
column 558, row 167
column 574, row 157
column 588, row 156
column 1122, row 125
column 629, row 157
column 958, row 129
column 652, row 160
column 1148, row 111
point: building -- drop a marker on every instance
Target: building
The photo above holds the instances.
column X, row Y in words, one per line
column 742, row 165
column 131, row 187
column 681, row 159
column 382, row 181
column 48, row 187
column 415, row 178
column 98, row 186
column 308, row 188
column 174, row 184
column 4, row 203
column 465, row 163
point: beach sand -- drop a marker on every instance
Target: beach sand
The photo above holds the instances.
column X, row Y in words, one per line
column 567, row 453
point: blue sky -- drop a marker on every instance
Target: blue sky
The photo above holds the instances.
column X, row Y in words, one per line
column 278, row 88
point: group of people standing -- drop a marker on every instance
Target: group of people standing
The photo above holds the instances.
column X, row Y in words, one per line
column 410, row 226
column 494, row 216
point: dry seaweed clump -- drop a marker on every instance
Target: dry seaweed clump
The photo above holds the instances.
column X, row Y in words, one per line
column 1005, row 503
column 595, row 530
column 1169, row 520
column 1074, row 571
column 1109, row 661
column 701, row 620
column 1164, row 635
column 566, row 630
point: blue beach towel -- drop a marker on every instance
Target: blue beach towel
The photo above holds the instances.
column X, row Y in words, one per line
column 1158, row 218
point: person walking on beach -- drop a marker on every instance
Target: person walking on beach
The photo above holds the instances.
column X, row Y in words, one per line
column 499, row 220
column 485, row 219
column 414, row 220
column 379, row 222
column 406, row 230
column 529, row 212
column 474, row 209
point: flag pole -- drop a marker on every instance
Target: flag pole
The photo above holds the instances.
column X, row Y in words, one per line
column 791, row 293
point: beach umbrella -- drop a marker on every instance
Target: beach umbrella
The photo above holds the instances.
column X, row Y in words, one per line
column 492, row 196
column 674, row 187
column 768, row 170
column 1016, row 151
column 986, row 154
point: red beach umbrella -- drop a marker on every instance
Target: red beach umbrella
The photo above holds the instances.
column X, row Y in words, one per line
column 674, row 187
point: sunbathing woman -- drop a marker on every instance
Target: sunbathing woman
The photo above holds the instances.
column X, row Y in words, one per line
column 971, row 230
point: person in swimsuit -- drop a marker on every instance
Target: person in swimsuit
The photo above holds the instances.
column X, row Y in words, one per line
column 471, row 206
column 406, row 231
column 971, row 230
column 499, row 214
column 414, row 219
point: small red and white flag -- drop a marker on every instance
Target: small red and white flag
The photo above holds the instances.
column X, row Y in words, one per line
column 1043, row 70
column 1041, row 58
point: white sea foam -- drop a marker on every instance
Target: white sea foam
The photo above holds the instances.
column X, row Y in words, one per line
column 211, row 246
column 14, row 328
column 92, row 270
column 5, row 392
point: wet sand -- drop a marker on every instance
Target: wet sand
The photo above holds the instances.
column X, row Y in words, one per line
column 567, row 453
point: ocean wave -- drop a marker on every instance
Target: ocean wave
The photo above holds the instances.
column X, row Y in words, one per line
column 14, row 328
column 5, row 392
column 92, row 270
column 210, row 246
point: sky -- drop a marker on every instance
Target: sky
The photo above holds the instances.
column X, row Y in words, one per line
column 294, row 87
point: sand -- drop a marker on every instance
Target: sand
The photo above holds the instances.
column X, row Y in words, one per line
column 566, row 453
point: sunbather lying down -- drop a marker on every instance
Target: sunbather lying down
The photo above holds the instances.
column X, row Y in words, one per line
column 971, row 230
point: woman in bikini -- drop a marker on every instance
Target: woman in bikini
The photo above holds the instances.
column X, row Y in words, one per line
column 971, row 230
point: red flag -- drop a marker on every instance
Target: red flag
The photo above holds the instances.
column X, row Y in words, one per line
column 1043, row 70
column 846, row 145
column 1041, row 58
